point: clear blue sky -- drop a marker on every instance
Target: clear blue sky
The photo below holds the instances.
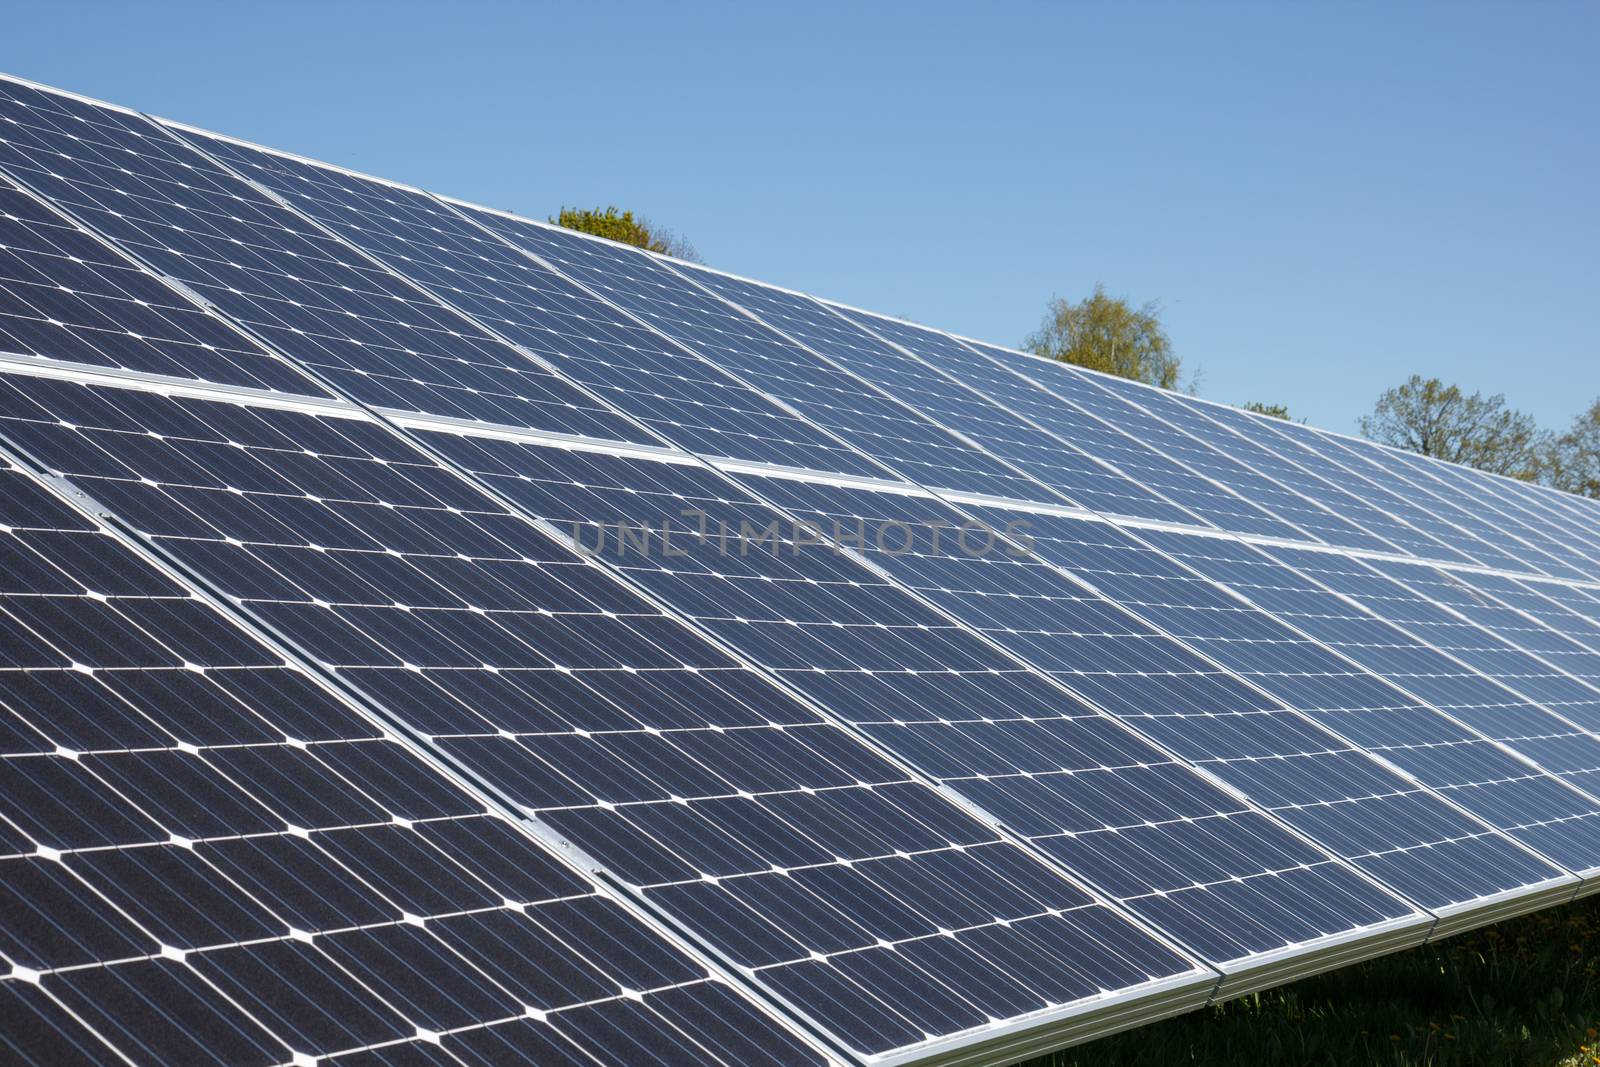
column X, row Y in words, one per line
column 1324, row 201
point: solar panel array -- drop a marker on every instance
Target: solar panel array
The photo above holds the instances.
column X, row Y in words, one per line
column 438, row 637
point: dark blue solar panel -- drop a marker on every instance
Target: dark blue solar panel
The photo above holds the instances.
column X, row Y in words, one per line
column 1585, row 601
column 67, row 296
column 698, row 403
column 829, row 396
column 1097, row 797
column 779, row 749
column 1574, row 521
column 1538, row 805
column 315, row 299
column 769, row 832
column 1082, row 641
column 1239, row 499
column 1544, row 603
column 1327, row 787
column 678, row 395
column 1492, row 640
column 852, row 405
column 1055, row 444
column 1523, row 531
column 1388, row 714
column 1285, row 490
column 1423, row 510
column 1033, row 387
column 1574, row 513
column 205, row 857
column 1363, row 502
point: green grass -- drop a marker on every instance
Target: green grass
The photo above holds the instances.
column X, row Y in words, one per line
column 1524, row 992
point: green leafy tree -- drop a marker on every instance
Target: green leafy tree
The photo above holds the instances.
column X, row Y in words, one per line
column 627, row 228
column 1572, row 459
column 1425, row 415
column 1107, row 334
column 1276, row 411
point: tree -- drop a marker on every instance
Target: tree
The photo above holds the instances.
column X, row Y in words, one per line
column 623, row 226
column 1106, row 334
column 1427, row 416
column 1571, row 461
column 1276, row 411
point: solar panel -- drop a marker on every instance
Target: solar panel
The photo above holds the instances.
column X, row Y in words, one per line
column 1264, row 737
column 207, row 857
column 439, row 637
column 1526, row 531
column 1541, row 603
column 966, row 413
column 1406, row 500
column 914, row 682
column 1585, row 600
column 1068, row 452
column 663, row 386
column 897, row 436
column 72, row 298
column 377, row 338
column 1402, row 720
column 1505, row 551
column 1365, row 503
column 823, row 381
column 1518, row 527
column 1569, row 519
column 1519, row 652
column 1288, row 488
column 1033, row 387
column 1025, row 605
column 1294, row 516
column 795, row 851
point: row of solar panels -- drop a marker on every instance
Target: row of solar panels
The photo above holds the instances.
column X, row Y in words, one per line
column 436, row 637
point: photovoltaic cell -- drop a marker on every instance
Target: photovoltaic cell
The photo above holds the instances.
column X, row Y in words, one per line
column 696, row 403
column 1584, row 603
column 770, row 833
column 205, row 857
column 1542, row 602
column 847, row 396
column 1521, row 653
column 680, row 396
column 312, row 297
column 1573, row 515
column 1571, row 519
column 1169, row 867
column 1426, row 511
column 1252, row 503
column 1043, row 397
column 1507, row 536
